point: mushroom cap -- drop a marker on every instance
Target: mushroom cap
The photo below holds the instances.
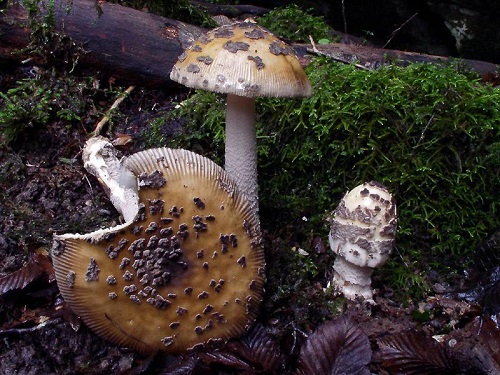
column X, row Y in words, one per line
column 364, row 224
column 187, row 270
column 243, row 59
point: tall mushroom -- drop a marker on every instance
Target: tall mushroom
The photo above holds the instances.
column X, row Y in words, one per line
column 186, row 270
column 244, row 61
column 362, row 234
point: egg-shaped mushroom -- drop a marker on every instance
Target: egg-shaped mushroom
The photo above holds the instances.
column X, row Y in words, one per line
column 362, row 234
column 187, row 270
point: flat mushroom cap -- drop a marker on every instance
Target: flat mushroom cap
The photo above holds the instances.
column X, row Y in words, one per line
column 187, row 270
column 243, row 59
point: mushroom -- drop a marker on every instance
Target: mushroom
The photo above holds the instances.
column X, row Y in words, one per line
column 186, row 270
column 362, row 234
column 100, row 159
column 244, row 61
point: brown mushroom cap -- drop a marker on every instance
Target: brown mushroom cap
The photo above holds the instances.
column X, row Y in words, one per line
column 243, row 59
column 189, row 269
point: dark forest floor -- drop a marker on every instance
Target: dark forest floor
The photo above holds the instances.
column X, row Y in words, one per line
column 45, row 190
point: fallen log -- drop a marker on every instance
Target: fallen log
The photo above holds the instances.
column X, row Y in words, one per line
column 125, row 43
column 231, row 10
column 371, row 57
column 140, row 48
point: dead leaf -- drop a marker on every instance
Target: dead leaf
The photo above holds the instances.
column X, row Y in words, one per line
column 224, row 358
column 413, row 353
column 122, row 140
column 183, row 365
column 337, row 347
column 254, row 353
column 259, row 348
column 39, row 265
column 489, row 336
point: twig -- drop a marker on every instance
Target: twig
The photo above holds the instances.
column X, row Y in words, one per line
column 393, row 34
column 316, row 51
column 422, row 135
column 107, row 116
column 21, row 331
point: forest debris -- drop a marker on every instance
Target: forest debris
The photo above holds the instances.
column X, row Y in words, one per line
column 38, row 266
column 337, row 347
column 107, row 115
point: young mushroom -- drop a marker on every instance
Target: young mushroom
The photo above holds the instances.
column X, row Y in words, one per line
column 362, row 234
column 244, row 61
column 186, row 270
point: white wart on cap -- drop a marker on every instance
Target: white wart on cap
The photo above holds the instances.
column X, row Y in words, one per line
column 187, row 270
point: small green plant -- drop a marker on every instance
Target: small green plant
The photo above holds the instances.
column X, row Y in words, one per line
column 295, row 24
column 204, row 113
column 182, row 10
column 52, row 47
column 405, row 278
column 429, row 133
column 35, row 101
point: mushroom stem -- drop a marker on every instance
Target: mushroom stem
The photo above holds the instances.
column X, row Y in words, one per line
column 352, row 280
column 241, row 146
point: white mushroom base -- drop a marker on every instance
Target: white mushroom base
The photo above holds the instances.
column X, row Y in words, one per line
column 352, row 281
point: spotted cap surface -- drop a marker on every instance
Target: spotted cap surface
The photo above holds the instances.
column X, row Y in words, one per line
column 242, row 59
column 364, row 225
column 187, row 270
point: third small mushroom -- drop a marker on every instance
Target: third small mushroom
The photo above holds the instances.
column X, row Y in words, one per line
column 362, row 234
column 244, row 61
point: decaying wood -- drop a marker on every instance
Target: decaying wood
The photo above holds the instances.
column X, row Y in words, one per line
column 231, row 10
column 126, row 43
column 371, row 57
column 140, row 48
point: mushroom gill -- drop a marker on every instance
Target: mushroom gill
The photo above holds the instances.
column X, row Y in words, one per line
column 187, row 270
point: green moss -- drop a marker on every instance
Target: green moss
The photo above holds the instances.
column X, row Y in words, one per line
column 293, row 23
column 181, row 10
column 429, row 133
column 35, row 101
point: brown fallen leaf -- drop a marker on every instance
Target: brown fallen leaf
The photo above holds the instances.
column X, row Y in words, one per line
column 259, row 349
column 38, row 266
column 122, row 140
column 489, row 352
column 413, row 353
column 336, row 347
